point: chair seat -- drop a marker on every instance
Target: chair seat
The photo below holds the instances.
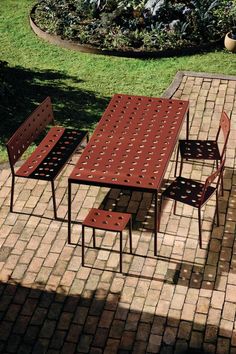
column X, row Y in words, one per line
column 106, row 220
column 188, row 191
column 199, row 149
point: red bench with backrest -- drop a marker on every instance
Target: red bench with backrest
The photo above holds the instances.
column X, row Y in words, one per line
column 52, row 153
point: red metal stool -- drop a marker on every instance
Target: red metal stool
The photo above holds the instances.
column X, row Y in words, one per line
column 109, row 221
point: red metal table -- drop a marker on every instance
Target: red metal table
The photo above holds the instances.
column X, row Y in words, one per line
column 131, row 147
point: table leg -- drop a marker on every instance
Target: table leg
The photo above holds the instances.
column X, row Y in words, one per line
column 69, row 212
column 155, row 222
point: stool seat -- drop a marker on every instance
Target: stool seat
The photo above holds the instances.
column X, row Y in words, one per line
column 106, row 220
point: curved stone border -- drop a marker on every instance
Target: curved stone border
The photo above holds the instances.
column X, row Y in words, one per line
column 57, row 40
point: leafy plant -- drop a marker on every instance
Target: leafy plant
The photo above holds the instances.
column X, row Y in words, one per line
column 133, row 24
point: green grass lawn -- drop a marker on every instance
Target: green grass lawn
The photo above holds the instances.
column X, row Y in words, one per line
column 80, row 84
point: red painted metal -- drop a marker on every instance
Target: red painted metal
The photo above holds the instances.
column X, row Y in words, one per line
column 131, row 146
column 205, row 149
column 106, row 220
column 194, row 193
column 29, row 130
column 52, row 153
column 132, row 143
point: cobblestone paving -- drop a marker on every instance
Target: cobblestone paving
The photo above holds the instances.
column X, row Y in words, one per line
column 182, row 301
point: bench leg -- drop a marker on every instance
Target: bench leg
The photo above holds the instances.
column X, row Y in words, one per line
column 54, row 200
column 12, row 193
column 69, row 212
column 121, row 244
column 83, row 245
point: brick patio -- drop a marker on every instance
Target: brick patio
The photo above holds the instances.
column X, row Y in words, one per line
column 182, row 301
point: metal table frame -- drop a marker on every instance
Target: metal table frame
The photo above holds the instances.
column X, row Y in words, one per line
column 131, row 147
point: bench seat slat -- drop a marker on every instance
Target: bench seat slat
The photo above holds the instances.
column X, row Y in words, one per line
column 51, row 154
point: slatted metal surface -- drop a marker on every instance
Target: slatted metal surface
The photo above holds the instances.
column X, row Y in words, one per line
column 132, row 143
column 51, row 154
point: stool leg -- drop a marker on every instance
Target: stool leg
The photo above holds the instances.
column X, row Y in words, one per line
column 130, row 235
column 83, row 245
column 94, row 241
column 121, row 251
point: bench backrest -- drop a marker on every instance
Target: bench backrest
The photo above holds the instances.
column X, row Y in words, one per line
column 29, row 130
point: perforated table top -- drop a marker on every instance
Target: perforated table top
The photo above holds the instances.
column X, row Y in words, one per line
column 132, row 144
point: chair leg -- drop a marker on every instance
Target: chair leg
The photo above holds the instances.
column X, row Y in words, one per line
column 217, row 210
column 54, row 200
column 94, row 241
column 200, row 227
column 176, row 162
column 121, row 252
column 130, row 235
column 181, row 166
column 83, row 245
column 175, row 204
column 222, row 184
column 12, row 193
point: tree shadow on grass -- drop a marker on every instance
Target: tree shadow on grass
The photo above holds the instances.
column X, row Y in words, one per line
column 25, row 89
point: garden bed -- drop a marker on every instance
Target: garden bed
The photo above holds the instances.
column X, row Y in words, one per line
column 132, row 53
column 132, row 28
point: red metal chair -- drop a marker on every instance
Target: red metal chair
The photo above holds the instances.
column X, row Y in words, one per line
column 194, row 193
column 110, row 221
column 204, row 149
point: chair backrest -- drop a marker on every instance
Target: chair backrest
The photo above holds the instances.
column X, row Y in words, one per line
column 218, row 173
column 29, row 130
column 225, row 128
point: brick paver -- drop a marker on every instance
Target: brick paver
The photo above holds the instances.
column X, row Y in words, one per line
column 181, row 301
